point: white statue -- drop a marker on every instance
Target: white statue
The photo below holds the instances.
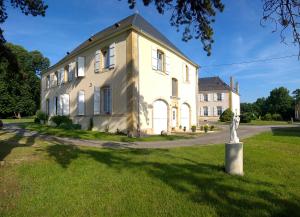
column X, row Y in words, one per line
column 233, row 127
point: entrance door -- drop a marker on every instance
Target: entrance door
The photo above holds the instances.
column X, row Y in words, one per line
column 185, row 116
column 174, row 117
column 160, row 117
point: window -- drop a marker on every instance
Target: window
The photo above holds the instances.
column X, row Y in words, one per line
column 205, row 97
column 219, row 110
column 55, row 105
column 187, row 78
column 205, row 111
column 160, row 60
column 105, row 57
column 48, row 107
column 80, row 102
column 48, row 82
column 71, row 71
column 219, row 96
column 106, row 100
column 56, row 78
column 174, row 87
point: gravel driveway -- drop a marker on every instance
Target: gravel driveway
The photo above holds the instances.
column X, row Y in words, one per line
column 219, row 137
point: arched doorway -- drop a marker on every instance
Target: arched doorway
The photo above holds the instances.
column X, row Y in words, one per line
column 185, row 116
column 160, row 116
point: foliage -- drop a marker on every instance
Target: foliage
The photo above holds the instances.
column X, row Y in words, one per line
column 19, row 80
column 61, row 119
column 226, row 116
column 41, row 115
column 296, row 95
column 206, row 128
column 32, row 7
column 247, row 117
column 69, row 126
column 212, row 127
column 1, row 124
column 267, row 117
column 276, row 117
column 201, row 128
column 194, row 128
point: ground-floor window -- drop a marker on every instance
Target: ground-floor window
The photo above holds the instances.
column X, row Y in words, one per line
column 48, row 107
column 205, row 111
column 106, row 100
column 219, row 110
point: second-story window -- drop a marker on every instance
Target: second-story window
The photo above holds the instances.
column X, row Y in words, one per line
column 56, row 78
column 160, row 60
column 205, row 97
column 105, row 57
column 187, row 76
column 48, row 81
column 219, row 96
column 174, row 87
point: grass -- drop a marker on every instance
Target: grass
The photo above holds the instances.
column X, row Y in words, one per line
column 96, row 135
column 262, row 123
column 16, row 121
column 50, row 179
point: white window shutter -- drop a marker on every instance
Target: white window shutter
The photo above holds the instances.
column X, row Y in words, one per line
column 97, row 100
column 222, row 95
column 202, row 111
column 208, row 111
column 97, row 60
column 183, row 72
column 112, row 56
column 154, row 58
column 168, row 64
column 60, row 105
column 80, row 66
column 215, row 96
column 201, row 97
column 54, row 106
column 199, row 111
column 80, row 102
column 62, row 75
column 66, row 104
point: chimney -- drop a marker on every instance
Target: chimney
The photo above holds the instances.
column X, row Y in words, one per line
column 231, row 83
column 237, row 87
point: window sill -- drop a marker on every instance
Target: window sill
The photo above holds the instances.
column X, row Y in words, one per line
column 174, row 97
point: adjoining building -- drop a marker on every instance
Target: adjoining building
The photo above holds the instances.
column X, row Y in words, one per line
column 128, row 77
column 215, row 96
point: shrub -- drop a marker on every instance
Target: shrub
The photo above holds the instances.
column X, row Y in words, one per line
column 68, row 126
column 184, row 129
column 227, row 115
column 276, row 117
column 212, row 127
column 246, row 118
column 42, row 116
column 1, row 124
column 267, row 117
column 206, row 128
column 193, row 128
column 60, row 119
column 201, row 128
column 37, row 120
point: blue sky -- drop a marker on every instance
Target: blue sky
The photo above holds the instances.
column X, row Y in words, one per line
column 238, row 37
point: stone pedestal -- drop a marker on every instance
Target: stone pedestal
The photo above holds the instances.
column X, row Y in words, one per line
column 234, row 158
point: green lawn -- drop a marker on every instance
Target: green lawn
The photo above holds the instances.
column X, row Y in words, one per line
column 50, row 179
column 260, row 122
column 96, row 135
column 22, row 120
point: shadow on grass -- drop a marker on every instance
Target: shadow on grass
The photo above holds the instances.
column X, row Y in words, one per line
column 14, row 141
column 200, row 182
column 286, row 131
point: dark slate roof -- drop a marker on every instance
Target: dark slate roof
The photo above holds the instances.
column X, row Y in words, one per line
column 212, row 83
column 136, row 21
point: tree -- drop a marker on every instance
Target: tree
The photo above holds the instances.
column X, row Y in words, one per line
column 28, row 7
column 296, row 95
column 226, row 116
column 20, row 81
column 280, row 102
column 197, row 16
column 260, row 106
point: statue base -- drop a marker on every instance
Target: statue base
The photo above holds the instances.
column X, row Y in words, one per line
column 234, row 158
